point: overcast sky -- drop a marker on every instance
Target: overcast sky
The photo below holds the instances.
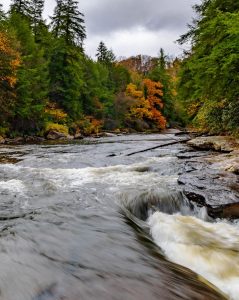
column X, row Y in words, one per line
column 132, row 27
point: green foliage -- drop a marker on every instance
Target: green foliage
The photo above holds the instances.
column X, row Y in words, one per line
column 104, row 55
column 48, row 83
column 67, row 23
column 160, row 73
column 66, row 79
column 211, row 70
column 20, row 7
column 32, row 79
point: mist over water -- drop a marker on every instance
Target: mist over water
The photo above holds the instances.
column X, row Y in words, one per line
column 86, row 221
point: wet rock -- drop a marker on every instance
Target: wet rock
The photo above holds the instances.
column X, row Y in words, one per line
column 229, row 211
column 34, row 139
column 15, row 141
column 55, row 135
column 209, row 187
column 111, row 155
column 4, row 159
column 109, row 134
column 226, row 162
column 2, row 140
column 218, row 143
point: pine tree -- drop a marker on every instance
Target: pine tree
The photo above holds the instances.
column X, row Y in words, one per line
column 21, row 7
column 66, row 79
column 66, row 57
column 35, row 12
column 104, row 55
column 68, row 23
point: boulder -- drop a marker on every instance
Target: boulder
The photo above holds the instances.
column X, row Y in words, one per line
column 55, row 135
column 217, row 143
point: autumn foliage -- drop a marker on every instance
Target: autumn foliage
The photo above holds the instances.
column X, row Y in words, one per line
column 148, row 104
column 9, row 59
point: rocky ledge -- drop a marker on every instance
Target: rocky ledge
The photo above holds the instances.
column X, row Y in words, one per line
column 212, row 180
column 217, row 143
column 228, row 161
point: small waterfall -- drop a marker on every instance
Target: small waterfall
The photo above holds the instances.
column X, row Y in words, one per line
column 188, row 236
column 142, row 204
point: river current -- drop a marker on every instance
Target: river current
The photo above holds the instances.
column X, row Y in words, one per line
column 91, row 220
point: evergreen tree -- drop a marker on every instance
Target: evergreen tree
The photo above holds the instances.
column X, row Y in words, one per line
column 21, row 7
column 68, row 23
column 35, row 13
column 104, row 55
column 66, row 57
column 66, row 78
column 209, row 78
column 32, row 80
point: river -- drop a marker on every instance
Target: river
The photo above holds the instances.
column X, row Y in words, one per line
column 91, row 220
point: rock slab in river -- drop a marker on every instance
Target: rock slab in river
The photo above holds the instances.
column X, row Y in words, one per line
column 218, row 143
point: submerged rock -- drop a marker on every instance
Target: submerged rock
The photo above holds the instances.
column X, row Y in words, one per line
column 218, row 143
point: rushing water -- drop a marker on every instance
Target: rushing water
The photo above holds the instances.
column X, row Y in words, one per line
column 90, row 221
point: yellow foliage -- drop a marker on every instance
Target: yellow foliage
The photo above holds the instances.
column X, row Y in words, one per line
column 131, row 90
column 56, row 114
column 56, row 127
column 88, row 125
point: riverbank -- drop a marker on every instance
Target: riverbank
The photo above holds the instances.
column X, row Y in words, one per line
column 53, row 136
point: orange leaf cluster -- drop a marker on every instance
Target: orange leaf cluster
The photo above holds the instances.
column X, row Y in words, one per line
column 148, row 102
column 154, row 93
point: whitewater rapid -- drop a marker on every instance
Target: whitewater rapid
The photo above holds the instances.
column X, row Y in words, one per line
column 62, row 227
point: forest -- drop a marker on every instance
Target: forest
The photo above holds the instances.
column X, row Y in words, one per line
column 48, row 83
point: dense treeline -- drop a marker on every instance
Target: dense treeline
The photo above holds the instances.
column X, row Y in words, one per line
column 209, row 79
column 48, row 83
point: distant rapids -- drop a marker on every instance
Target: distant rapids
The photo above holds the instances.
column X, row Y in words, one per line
column 87, row 221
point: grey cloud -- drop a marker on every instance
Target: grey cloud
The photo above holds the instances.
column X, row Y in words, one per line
column 118, row 21
column 106, row 16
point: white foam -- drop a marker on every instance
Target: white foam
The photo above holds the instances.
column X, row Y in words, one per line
column 13, row 186
column 209, row 249
column 118, row 176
